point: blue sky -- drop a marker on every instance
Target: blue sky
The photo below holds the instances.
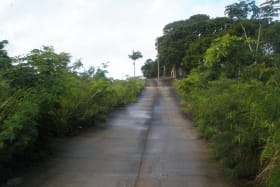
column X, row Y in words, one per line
column 97, row 31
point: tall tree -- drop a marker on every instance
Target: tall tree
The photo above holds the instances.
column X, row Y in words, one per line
column 221, row 56
column 149, row 69
column 5, row 63
column 247, row 9
column 134, row 56
column 177, row 38
column 270, row 9
column 241, row 11
column 5, row 60
column 178, row 47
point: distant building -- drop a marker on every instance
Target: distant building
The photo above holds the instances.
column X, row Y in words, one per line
column 177, row 72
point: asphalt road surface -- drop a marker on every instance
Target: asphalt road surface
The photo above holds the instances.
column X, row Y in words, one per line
column 146, row 144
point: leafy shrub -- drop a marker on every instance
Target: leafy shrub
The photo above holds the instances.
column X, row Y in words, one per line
column 41, row 97
column 18, row 128
column 241, row 122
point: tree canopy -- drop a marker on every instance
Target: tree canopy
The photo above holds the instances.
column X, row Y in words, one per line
column 134, row 56
column 150, row 68
column 185, row 42
column 232, row 85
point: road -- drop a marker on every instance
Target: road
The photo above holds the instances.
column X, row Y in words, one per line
column 146, row 144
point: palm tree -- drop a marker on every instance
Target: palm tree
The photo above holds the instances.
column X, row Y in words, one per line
column 134, row 56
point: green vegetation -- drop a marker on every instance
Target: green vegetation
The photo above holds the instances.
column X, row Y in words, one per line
column 150, row 69
column 232, row 89
column 43, row 96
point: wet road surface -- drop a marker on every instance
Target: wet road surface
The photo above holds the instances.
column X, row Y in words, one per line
column 146, row 144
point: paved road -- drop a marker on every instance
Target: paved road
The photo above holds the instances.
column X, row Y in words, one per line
column 146, row 144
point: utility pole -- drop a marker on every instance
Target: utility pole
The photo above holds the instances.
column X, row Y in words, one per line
column 158, row 69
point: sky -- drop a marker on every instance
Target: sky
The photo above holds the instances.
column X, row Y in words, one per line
column 97, row 31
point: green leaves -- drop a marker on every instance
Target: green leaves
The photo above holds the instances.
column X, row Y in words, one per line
column 236, row 119
column 270, row 9
column 185, row 42
column 242, row 9
column 135, row 55
column 42, row 97
column 150, row 68
column 240, row 120
column 228, row 56
column 220, row 48
column 18, row 125
column 5, row 61
column 232, row 89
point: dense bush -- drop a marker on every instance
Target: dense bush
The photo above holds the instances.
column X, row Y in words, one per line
column 240, row 120
column 232, row 85
column 42, row 96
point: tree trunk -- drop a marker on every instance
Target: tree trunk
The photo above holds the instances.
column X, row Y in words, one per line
column 246, row 37
column 259, row 36
column 134, row 67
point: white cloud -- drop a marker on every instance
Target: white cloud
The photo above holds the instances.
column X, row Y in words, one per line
column 213, row 9
column 96, row 30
